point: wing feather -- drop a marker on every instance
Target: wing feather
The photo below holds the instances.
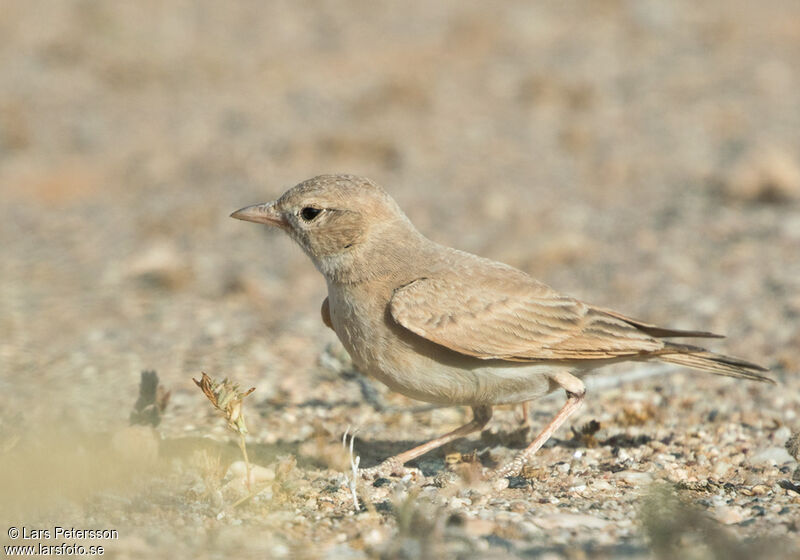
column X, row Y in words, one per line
column 504, row 314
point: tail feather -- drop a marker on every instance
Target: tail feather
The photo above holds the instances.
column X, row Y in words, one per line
column 701, row 359
column 658, row 332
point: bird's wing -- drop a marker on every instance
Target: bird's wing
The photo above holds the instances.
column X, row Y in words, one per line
column 326, row 313
column 505, row 314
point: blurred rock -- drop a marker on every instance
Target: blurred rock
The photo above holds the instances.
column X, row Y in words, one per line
column 764, row 175
column 564, row 249
column 479, row 527
column 15, row 133
column 160, row 265
column 772, row 455
column 344, row 552
column 63, row 182
column 721, row 468
column 634, row 478
column 570, row 521
column 730, row 515
column 258, row 474
column 793, row 446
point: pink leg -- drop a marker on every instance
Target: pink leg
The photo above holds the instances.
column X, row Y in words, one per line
column 526, row 418
column 575, row 393
column 480, row 416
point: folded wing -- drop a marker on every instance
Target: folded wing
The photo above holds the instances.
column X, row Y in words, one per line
column 507, row 315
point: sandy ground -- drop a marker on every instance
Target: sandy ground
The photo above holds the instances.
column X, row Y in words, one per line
column 643, row 156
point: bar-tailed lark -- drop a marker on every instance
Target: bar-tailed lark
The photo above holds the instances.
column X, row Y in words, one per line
column 444, row 326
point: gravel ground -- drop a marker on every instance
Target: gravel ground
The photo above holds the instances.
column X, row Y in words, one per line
column 641, row 155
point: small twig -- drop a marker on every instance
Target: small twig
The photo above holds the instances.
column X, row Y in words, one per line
column 248, row 468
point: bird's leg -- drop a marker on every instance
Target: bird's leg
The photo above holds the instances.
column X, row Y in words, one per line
column 526, row 419
column 575, row 392
column 480, row 416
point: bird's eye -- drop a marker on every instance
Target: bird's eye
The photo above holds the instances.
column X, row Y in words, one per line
column 309, row 213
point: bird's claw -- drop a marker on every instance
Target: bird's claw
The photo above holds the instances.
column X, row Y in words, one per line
column 388, row 468
column 512, row 468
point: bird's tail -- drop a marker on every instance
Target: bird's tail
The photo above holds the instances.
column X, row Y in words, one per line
column 700, row 358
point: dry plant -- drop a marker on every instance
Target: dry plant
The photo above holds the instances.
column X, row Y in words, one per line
column 585, row 435
column 151, row 403
column 354, row 462
column 227, row 398
column 212, row 470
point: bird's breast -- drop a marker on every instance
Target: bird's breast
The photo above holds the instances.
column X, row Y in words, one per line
column 376, row 344
column 353, row 320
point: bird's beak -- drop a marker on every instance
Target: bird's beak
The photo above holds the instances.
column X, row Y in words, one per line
column 261, row 214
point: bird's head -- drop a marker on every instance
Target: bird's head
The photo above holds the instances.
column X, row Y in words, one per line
column 340, row 221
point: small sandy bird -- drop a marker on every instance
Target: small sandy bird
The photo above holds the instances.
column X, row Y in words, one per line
column 447, row 327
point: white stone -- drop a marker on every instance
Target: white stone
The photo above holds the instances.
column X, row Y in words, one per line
column 634, row 478
column 773, row 456
column 258, row 474
column 720, row 468
column 728, row 515
column 602, row 485
column 570, row 521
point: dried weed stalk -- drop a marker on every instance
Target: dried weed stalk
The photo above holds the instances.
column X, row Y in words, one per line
column 152, row 401
column 227, row 398
column 585, row 436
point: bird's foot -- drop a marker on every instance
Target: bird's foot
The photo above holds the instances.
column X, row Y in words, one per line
column 390, row 467
column 512, row 468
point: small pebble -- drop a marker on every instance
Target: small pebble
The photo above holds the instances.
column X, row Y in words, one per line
column 570, row 521
column 728, row 515
column 772, row 456
column 500, row 484
column 793, row 446
column 721, row 468
column 634, row 478
column 518, row 482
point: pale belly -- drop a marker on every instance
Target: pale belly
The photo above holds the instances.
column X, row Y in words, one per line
column 426, row 371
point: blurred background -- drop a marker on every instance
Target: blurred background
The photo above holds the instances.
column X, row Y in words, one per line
column 642, row 155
